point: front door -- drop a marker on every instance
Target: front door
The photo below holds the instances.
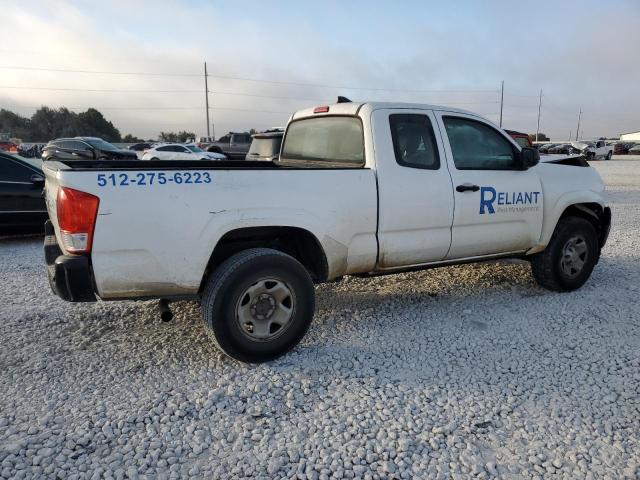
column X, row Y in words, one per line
column 414, row 188
column 498, row 207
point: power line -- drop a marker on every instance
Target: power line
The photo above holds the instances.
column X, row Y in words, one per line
column 101, row 90
column 247, row 79
column 100, row 72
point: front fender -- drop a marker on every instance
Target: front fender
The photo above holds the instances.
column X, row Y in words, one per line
column 553, row 212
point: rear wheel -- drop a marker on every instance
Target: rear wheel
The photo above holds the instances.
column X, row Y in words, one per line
column 258, row 304
column 609, row 156
column 155, row 159
column 568, row 260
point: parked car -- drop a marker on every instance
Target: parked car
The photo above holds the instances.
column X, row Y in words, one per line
column 140, row 147
column 359, row 188
column 233, row 145
column 622, row 148
column 178, row 151
column 635, row 150
column 204, row 142
column 521, row 139
column 266, row 145
column 544, row 148
column 595, row 150
column 85, row 148
column 8, row 146
column 565, row 149
column 22, row 206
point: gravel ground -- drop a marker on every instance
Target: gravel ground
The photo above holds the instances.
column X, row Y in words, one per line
column 449, row 373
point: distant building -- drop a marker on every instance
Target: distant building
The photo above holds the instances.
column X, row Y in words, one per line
column 632, row 136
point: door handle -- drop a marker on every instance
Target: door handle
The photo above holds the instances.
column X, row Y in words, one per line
column 467, row 187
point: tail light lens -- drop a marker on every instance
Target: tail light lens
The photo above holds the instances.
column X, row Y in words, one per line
column 77, row 212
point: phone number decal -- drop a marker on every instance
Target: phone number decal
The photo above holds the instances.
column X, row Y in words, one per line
column 152, row 178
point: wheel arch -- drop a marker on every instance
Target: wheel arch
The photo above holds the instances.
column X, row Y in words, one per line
column 593, row 211
column 297, row 242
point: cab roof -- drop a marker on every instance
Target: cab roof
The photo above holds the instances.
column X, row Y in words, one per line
column 354, row 108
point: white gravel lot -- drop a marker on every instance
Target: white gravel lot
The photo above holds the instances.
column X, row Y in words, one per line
column 449, row 373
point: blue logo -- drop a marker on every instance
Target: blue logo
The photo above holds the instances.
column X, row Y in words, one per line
column 489, row 196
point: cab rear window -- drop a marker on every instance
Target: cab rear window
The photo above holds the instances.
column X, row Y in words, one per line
column 331, row 142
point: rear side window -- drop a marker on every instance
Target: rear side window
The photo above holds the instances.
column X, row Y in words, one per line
column 414, row 143
column 164, row 149
column 336, row 142
column 11, row 171
column 477, row 146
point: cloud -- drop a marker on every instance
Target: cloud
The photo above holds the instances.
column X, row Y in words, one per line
column 583, row 54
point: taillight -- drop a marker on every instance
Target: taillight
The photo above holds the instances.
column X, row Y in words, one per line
column 77, row 212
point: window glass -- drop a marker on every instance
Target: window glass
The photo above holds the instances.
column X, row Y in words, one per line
column 523, row 142
column 225, row 139
column 332, row 141
column 265, row 146
column 414, row 143
column 477, row 146
column 11, row 171
column 76, row 145
column 164, row 149
column 194, row 149
column 101, row 144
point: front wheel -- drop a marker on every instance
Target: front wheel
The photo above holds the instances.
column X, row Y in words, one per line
column 609, row 155
column 568, row 260
column 258, row 304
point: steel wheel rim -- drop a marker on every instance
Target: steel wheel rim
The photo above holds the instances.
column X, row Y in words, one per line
column 264, row 309
column 574, row 256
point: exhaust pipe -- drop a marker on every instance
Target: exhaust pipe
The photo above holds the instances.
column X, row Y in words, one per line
column 166, row 315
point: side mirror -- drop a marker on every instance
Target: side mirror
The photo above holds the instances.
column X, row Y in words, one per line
column 529, row 157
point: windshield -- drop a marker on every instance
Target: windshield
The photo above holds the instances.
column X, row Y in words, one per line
column 101, row 144
column 329, row 140
column 265, row 147
column 194, row 149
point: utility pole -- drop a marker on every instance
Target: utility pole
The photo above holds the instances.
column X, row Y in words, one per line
column 539, row 105
column 206, row 97
column 501, row 102
column 578, row 129
column 570, row 134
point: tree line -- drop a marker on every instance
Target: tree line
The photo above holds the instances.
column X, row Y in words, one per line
column 49, row 123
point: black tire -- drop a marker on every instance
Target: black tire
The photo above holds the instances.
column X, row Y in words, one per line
column 154, row 159
column 214, row 149
column 549, row 268
column 609, row 156
column 226, row 292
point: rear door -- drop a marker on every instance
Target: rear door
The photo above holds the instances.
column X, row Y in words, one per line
column 498, row 207
column 414, row 188
column 21, row 200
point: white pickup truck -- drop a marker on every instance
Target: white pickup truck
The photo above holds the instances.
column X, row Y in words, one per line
column 595, row 150
column 359, row 188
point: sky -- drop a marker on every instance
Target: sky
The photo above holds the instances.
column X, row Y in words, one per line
column 268, row 59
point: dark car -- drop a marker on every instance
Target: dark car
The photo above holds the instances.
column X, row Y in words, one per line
column 266, row 145
column 622, row 148
column 140, row 147
column 85, row 148
column 544, row 148
column 22, row 206
column 565, row 148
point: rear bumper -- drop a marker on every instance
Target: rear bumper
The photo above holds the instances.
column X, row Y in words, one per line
column 69, row 275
